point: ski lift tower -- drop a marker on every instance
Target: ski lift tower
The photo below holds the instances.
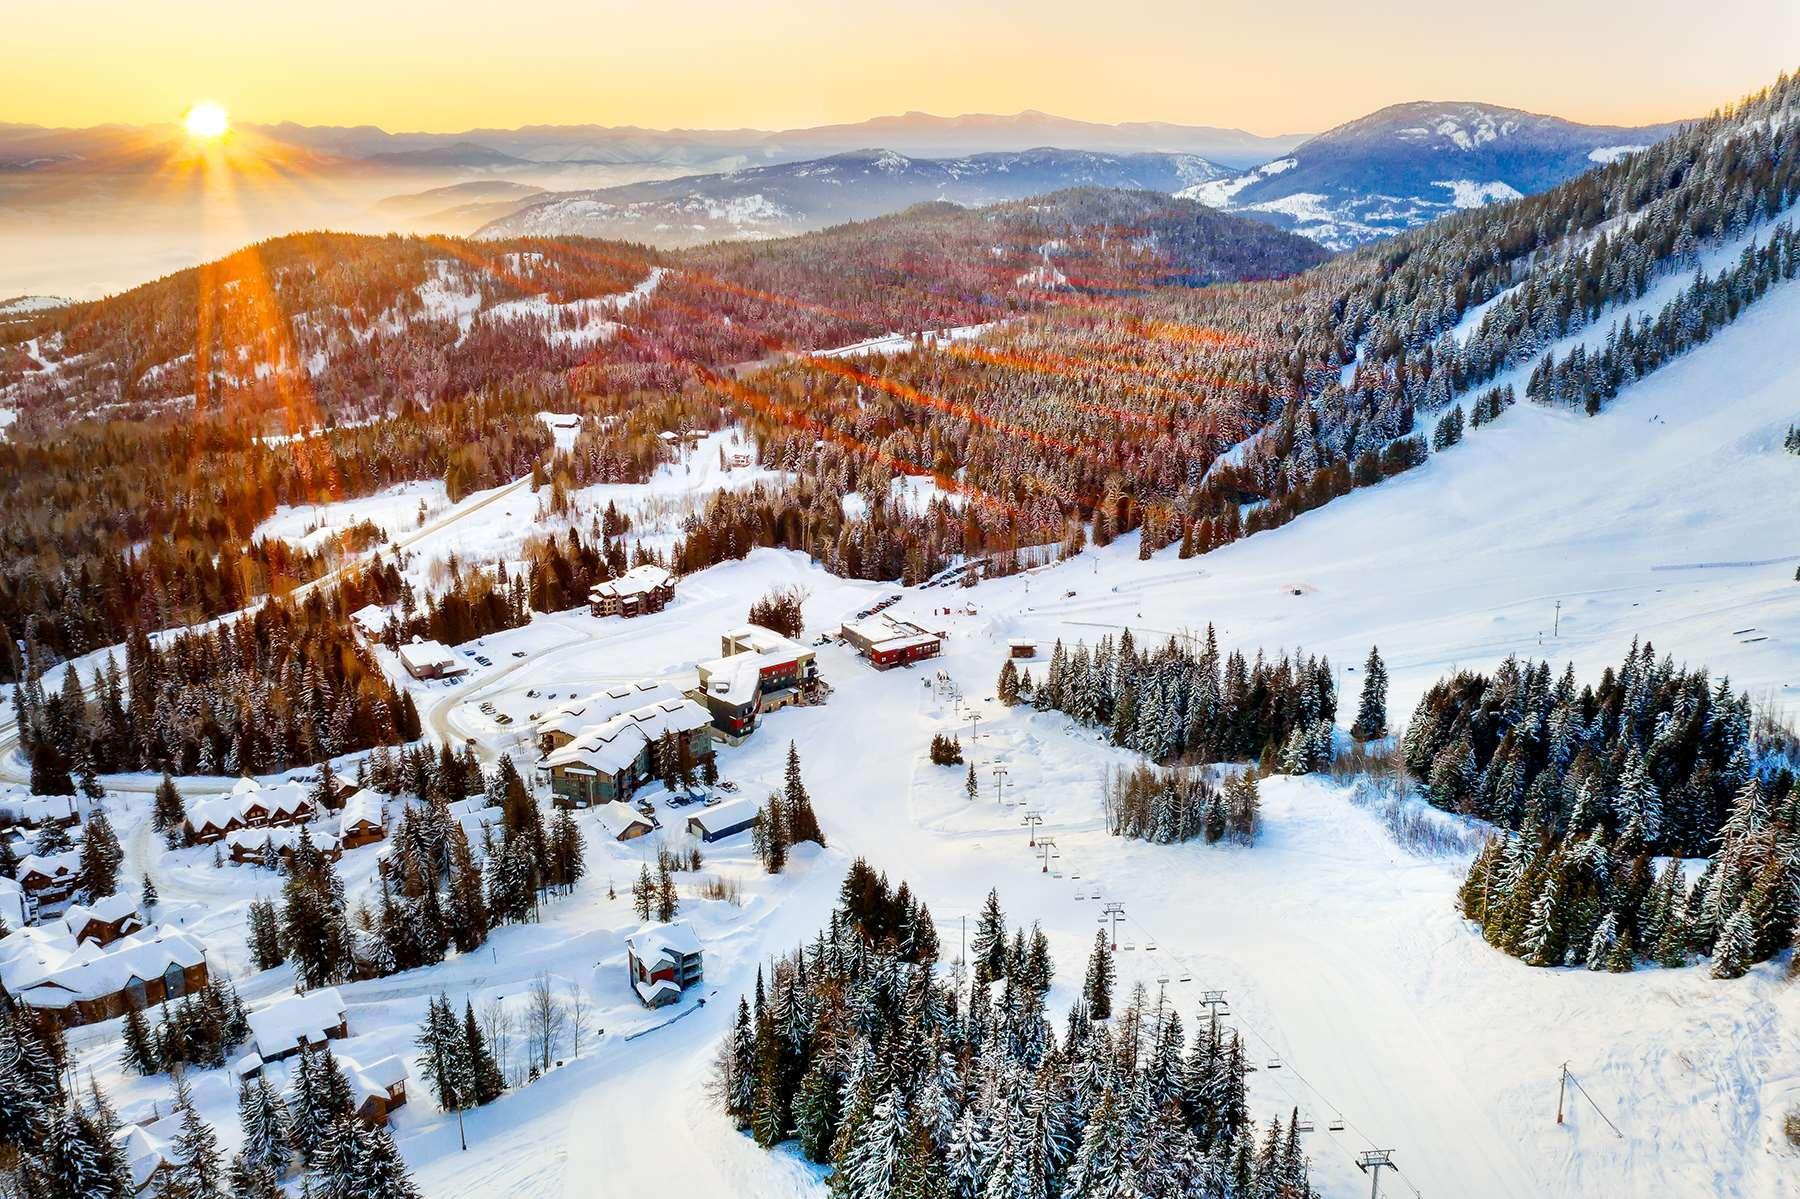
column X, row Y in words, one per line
column 1370, row 1162
column 1111, row 914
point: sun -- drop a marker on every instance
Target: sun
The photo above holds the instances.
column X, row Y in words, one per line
column 206, row 121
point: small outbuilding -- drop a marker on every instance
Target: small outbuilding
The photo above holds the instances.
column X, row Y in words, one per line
column 723, row 820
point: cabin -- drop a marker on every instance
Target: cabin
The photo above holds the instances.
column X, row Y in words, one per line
column 642, row 589
column 608, row 761
column 430, row 660
column 50, row 878
column 758, row 671
column 103, row 921
column 361, row 822
column 69, row 983
column 210, row 820
column 298, row 1022
column 371, row 620
column 887, row 641
column 623, row 822
column 376, row 1089
column 723, row 820
column 1022, row 647
column 662, row 961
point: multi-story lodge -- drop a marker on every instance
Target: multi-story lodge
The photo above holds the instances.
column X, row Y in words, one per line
column 69, row 982
column 607, row 761
column 646, row 588
column 758, row 671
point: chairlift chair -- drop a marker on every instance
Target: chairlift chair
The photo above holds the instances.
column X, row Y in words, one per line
column 1274, row 1063
column 1185, row 977
column 1336, row 1124
column 1127, row 945
column 1303, row 1124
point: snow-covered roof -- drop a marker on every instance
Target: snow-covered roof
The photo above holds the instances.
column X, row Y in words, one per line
column 12, row 902
column 576, row 714
column 754, row 638
column 650, row 992
column 282, row 1026
column 245, row 786
column 38, row 809
column 87, row 970
column 286, row 800
column 615, row 744
column 619, row 817
column 284, row 837
column 52, row 865
column 733, row 679
column 652, row 940
column 723, row 816
column 885, row 632
column 371, row 618
column 219, row 813
column 106, row 911
column 639, row 580
column 146, row 1147
column 428, row 655
column 363, row 806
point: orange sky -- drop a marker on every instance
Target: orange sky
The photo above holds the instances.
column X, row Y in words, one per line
column 1270, row 66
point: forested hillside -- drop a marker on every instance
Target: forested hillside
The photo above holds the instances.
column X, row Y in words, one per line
column 1111, row 391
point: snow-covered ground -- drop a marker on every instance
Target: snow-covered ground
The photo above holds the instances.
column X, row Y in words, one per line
column 1670, row 516
column 394, row 509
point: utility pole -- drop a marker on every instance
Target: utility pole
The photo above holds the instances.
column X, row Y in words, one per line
column 1370, row 1163
column 1000, row 773
column 1031, row 821
column 1556, row 628
column 1562, row 1087
column 1114, row 912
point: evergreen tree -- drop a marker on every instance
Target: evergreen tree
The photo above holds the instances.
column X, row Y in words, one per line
column 1371, row 710
column 100, row 857
column 1096, row 989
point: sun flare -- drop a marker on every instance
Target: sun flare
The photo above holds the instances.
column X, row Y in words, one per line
column 206, row 121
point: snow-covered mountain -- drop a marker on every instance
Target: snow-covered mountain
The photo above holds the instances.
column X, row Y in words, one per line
column 790, row 198
column 1409, row 164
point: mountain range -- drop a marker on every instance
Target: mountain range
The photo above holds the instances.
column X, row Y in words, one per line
column 789, row 198
column 1409, row 164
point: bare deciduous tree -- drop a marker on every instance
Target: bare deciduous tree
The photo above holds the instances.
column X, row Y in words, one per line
column 545, row 1019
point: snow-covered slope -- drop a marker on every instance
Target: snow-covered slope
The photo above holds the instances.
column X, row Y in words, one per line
column 1668, row 516
column 1409, row 164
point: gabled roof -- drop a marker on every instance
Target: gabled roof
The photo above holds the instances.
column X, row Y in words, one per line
column 280, row 838
column 589, row 710
column 363, row 806
column 107, row 911
column 89, row 971
column 615, row 744
column 619, row 817
column 51, row 865
column 282, row 1026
